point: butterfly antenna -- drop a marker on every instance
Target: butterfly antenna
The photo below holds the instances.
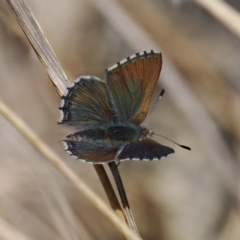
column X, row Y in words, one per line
column 154, row 105
column 182, row 146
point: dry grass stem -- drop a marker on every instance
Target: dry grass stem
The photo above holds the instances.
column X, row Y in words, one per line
column 122, row 193
column 111, row 194
column 223, row 12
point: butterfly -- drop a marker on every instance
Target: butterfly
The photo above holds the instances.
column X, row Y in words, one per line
column 106, row 115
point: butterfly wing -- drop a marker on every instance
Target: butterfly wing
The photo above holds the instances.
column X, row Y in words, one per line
column 86, row 103
column 90, row 150
column 144, row 150
column 132, row 82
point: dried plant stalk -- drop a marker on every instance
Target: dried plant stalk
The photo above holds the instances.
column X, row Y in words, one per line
column 223, row 12
column 122, row 193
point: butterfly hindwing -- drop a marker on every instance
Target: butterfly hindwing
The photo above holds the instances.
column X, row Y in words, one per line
column 144, row 150
column 86, row 147
column 86, row 103
column 131, row 83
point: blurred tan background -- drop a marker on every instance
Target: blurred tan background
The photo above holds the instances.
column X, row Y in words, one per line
column 187, row 196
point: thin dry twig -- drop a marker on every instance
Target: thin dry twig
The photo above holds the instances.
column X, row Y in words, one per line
column 122, row 193
column 111, row 194
column 56, row 161
column 223, row 12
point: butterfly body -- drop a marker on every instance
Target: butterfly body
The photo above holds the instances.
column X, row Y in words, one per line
column 106, row 115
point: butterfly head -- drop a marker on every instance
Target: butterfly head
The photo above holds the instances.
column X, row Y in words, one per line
column 146, row 133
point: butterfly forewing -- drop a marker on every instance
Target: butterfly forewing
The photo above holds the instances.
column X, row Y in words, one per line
column 131, row 83
column 86, row 103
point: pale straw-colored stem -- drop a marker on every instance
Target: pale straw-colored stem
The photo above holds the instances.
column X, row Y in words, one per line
column 223, row 12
